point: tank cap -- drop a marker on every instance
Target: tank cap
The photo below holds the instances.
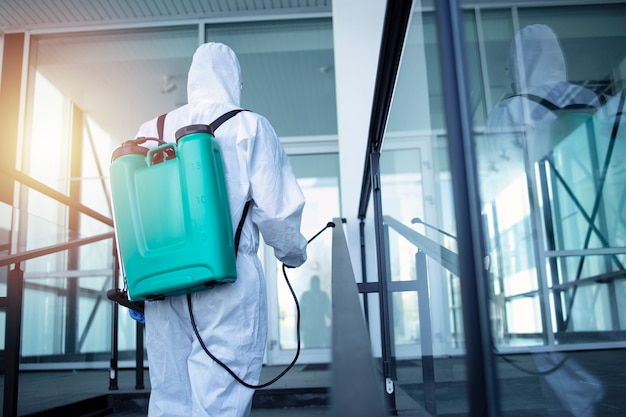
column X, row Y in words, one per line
column 187, row 130
column 130, row 147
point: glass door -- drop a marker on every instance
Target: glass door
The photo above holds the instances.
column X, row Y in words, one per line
column 318, row 176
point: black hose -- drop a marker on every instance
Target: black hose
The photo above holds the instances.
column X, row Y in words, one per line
column 296, row 356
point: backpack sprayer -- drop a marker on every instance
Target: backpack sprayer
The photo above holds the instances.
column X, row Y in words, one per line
column 171, row 209
column 120, row 297
column 172, row 221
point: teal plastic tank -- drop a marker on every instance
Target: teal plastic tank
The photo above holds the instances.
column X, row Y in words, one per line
column 172, row 217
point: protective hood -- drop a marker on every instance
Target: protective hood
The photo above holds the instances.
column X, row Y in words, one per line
column 535, row 58
column 214, row 75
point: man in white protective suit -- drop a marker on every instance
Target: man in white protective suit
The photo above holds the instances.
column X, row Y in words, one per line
column 536, row 66
column 231, row 318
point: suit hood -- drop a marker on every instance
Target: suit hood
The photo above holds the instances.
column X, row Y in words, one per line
column 214, row 75
column 535, row 58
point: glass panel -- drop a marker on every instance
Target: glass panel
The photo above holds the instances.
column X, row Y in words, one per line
column 406, row 318
column 44, row 328
column 94, row 187
column 418, row 209
column 287, row 68
column 73, row 315
column 6, row 217
column 552, row 188
column 67, row 149
column 49, row 159
column 83, row 67
column 318, row 177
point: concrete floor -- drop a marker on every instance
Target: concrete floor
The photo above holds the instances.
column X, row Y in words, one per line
column 562, row 384
column 46, row 393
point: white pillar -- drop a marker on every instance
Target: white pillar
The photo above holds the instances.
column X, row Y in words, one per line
column 357, row 30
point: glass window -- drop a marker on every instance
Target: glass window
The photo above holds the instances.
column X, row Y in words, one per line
column 549, row 181
column 416, row 192
column 287, row 70
column 548, row 161
column 318, row 176
column 547, row 122
column 76, row 119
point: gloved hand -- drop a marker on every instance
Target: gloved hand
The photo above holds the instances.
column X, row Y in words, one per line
column 136, row 315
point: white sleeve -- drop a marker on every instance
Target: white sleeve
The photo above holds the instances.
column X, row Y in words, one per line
column 277, row 196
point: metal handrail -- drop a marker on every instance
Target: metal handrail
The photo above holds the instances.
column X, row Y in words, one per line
column 54, row 194
column 397, row 15
column 442, row 255
column 15, row 286
column 48, row 250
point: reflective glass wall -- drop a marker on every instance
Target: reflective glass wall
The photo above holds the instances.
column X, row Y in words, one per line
column 545, row 97
column 561, row 171
column 420, row 227
column 552, row 187
column 67, row 145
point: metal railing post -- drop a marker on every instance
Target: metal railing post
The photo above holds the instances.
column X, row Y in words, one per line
column 481, row 369
column 383, row 294
column 15, row 296
column 139, row 358
column 426, row 337
column 113, row 371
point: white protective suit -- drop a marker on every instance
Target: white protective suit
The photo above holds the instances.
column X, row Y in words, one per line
column 535, row 65
column 231, row 318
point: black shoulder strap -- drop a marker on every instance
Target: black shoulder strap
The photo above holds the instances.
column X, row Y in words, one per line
column 240, row 226
column 553, row 107
column 218, row 122
column 213, row 126
column 542, row 101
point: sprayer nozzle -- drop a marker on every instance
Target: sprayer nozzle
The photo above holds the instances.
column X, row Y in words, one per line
column 330, row 224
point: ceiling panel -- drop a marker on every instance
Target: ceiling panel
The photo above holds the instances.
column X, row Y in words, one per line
column 17, row 15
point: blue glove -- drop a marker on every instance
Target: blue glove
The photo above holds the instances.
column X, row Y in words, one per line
column 136, row 315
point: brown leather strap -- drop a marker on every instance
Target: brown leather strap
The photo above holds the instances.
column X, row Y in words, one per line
column 160, row 125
